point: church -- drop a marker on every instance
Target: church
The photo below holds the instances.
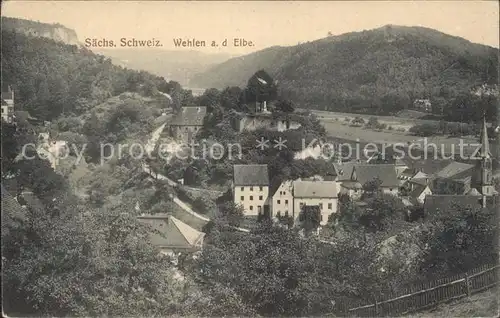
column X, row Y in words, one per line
column 473, row 180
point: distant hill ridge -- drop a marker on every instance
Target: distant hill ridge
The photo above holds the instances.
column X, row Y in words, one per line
column 356, row 71
column 55, row 31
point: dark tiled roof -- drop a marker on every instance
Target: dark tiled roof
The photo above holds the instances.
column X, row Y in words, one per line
column 448, row 204
column 455, row 170
column 190, row 116
column 249, row 175
column 315, row 189
column 344, row 170
column 385, row 172
column 429, row 166
column 7, row 95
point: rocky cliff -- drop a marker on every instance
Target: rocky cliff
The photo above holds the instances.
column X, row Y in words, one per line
column 56, row 32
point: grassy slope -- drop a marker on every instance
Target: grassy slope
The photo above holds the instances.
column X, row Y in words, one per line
column 484, row 304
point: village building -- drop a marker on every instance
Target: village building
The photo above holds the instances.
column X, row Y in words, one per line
column 251, row 188
column 263, row 120
column 8, row 105
column 363, row 173
column 461, row 178
column 292, row 196
column 171, row 235
column 187, row 123
column 323, row 194
column 418, row 194
column 282, row 201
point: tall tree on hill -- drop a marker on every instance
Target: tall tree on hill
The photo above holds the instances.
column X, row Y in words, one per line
column 260, row 87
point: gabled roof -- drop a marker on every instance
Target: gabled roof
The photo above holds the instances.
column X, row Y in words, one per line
column 420, row 175
column 417, row 191
column 367, row 172
column 315, row 189
column 7, row 95
column 250, row 175
column 344, row 170
column 190, row 116
column 429, row 166
column 455, row 170
column 169, row 232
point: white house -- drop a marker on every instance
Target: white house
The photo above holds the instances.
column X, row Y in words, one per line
column 251, row 188
column 8, row 105
column 282, row 201
column 315, row 193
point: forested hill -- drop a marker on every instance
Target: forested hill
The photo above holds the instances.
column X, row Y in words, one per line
column 50, row 78
column 375, row 71
column 56, row 32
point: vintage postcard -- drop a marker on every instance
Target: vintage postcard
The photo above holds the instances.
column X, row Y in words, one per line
column 250, row 158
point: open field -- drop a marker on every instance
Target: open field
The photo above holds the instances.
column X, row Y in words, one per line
column 340, row 130
column 446, row 145
column 394, row 121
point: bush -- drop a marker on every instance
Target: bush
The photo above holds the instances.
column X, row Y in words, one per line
column 425, row 130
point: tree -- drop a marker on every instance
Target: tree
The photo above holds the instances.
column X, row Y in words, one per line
column 358, row 121
column 230, row 213
column 310, row 218
column 382, row 210
column 261, row 87
column 371, row 187
column 109, row 258
column 285, row 106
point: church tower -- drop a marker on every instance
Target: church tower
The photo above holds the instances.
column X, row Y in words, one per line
column 485, row 168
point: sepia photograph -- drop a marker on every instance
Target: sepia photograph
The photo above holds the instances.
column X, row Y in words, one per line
column 250, row 158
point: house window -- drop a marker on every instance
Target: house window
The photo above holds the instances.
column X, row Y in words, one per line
column 286, row 213
column 242, row 188
column 259, row 209
column 286, row 201
column 260, row 197
column 251, row 188
column 261, row 188
column 251, row 198
column 279, row 201
column 329, row 206
column 321, row 206
column 242, row 198
column 186, row 129
column 390, row 189
column 251, row 208
column 301, row 204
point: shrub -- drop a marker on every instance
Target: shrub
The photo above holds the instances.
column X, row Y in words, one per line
column 425, row 130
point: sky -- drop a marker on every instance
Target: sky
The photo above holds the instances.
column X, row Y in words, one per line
column 265, row 23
